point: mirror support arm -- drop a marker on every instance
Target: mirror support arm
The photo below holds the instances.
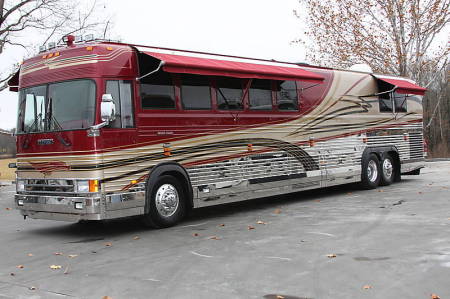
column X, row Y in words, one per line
column 94, row 130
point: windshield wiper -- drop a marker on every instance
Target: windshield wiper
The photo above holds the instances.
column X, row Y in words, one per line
column 51, row 119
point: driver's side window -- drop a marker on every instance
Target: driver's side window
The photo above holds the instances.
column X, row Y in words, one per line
column 122, row 95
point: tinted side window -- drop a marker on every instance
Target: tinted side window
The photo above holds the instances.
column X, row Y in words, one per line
column 157, row 92
column 385, row 103
column 229, row 93
column 400, row 102
column 287, row 95
column 195, row 92
column 260, row 95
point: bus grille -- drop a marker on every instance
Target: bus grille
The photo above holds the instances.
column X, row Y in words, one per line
column 49, row 186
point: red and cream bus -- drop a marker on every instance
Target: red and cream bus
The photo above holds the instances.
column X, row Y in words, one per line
column 108, row 130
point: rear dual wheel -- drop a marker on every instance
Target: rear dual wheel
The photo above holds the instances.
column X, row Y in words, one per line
column 376, row 172
column 387, row 170
column 370, row 174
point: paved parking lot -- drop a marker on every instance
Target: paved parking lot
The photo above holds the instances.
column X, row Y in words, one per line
column 392, row 242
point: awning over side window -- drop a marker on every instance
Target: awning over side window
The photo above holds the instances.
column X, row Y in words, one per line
column 402, row 85
column 231, row 68
column 13, row 83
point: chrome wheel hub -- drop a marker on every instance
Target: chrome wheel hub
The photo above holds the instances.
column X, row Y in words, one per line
column 372, row 171
column 167, row 200
column 387, row 168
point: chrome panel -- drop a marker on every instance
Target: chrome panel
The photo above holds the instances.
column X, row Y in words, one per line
column 245, row 191
column 410, row 166
column 125, row 200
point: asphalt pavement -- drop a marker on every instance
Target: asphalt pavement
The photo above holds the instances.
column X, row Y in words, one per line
column 340, row 242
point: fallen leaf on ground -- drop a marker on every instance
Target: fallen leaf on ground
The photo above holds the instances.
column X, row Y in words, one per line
column 136, row 238
column 260, row 222
column 20, row 267
column 106, row 297
column 434, row 296
column 108, row 244
column 317, row 200
column 366, row 287
column 280, row 297
column 221, row 224
column 349, row 193
column 420, row 192
column 381, row 190
column 8, row 209
column 30, row 254
column 66, row 271
column 250, row 227
column 331, row 255
column 32, row 288
column 57, row 253
column 12, row 274
column 277, row 211
column 55, row 267
column 72, row 255
column 195, row 235
column 214, row 238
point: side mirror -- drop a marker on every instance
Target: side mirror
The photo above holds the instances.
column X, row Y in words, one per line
column 108, row 108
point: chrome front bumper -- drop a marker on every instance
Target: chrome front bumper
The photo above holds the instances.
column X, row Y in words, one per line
column 59, row 207
column 66, row 208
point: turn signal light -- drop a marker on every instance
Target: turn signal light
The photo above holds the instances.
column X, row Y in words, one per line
column 93, row 185
column 166, row 148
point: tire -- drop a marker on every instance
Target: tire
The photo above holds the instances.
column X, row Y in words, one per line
column 166, row 201
column 388, row 170
column 370, row 172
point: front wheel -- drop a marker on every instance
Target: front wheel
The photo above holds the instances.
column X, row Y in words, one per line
column 166, row 200
column 387, row 171
column 370, row 172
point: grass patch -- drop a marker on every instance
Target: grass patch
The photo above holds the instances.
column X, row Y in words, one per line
column 7, row 174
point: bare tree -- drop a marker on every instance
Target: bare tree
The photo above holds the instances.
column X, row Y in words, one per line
column 393, row 36
column 48, row 19
column 403, row 37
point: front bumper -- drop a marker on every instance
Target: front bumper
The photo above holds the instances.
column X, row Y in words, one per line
column 96, row 207
column 59, row 207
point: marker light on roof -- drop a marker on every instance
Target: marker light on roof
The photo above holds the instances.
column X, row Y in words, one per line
column 78, row 38
column 42, row 49
column 88, row 37
column 51, row 45
column 69, row 39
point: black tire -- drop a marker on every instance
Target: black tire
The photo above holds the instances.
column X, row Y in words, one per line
column 388, row 170
column 169, row 188
column 370, row 179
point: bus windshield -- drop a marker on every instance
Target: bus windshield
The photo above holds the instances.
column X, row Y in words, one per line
column 59, row 106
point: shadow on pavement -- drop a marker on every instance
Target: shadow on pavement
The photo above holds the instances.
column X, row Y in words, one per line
column 98, row 230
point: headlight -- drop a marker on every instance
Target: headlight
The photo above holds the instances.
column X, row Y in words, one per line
column 83, row 186
column 20, row 185
column 87, row 186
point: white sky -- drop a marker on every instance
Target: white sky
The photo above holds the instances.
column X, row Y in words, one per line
column 253, row 28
